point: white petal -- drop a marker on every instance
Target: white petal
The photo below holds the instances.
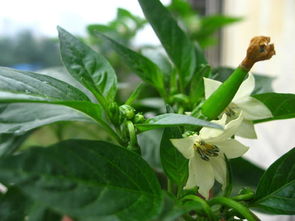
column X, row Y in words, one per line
column 247, row 130
column 188, row 113
column 219, row 168
column 185, row 146
column 232, row 148
column 245, row 89
column 229, row 130
column 200, row 174
column 254, row 109
column 207, row 132
column 210, row 86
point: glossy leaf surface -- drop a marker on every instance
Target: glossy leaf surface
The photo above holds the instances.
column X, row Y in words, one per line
column 141, row 65
column 282, row 106
column 21, row 117
column 171, row 119
column 275, row 192
column 173, row 162
column 84, row 178
column 20, row 85
column 87, row 66
column 178, row 46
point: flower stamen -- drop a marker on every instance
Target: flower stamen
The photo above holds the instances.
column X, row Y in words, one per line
column 232, row 110
column 206, row 150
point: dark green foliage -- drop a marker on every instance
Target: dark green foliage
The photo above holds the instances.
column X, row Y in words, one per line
column 84, row 178
column 173, row 162
column 275, row 192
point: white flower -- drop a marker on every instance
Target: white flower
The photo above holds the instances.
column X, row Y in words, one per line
column 206, row 154
column 252, row 108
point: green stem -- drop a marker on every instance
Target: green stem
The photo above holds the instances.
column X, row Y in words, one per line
column 179, row 191
column 203, row 203
column 229, row 186
column 173, row 83
column 243, row 197
column 221, row 98
column 244, row 211
column 169, row 186
column 180, row 109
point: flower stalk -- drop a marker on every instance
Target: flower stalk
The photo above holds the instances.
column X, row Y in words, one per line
column 244, row 211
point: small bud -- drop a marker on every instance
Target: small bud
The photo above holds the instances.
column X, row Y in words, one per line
column 139, row 118
column 180, row 98
column 246, row 190
column 188, row 133
column 258, row 50
column 127, row 111
column 116, row 115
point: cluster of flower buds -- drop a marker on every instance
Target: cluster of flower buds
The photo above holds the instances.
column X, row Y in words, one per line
column 124, row 112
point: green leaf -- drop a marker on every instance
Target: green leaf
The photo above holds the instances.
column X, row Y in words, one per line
column 141, row 65
column 149, row 142
column 87, row 66
column 158, row 56
column 11, row 142
column 13, row 205
column 135, row 93
column 16, row 206
column 22, row 117
column 173, row 120
column 263, row 83
column 178, row 46
column 20, row 85
column 197, row 92
column 275, row 192
column 171, row 209
column 209, row 25
column 241, row 168
column 173, row 162
column 282, row 106
column 62, row 74
column 86, row 179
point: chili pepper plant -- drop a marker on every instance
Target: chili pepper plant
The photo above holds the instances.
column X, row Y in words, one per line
column 200, row 174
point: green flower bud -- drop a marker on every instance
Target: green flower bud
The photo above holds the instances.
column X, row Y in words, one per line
column 188, row 133
column 127, row 111
column 139, row 118
column 180, row 98
column 115, row 114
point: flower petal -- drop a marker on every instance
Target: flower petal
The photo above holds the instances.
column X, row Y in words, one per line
column 219, row 168
column 185, row 146
column 254, row 109
column 232, row 148
column 247, row 130
column 210, row 86
column 200, row 174
column 245, row 89
column 207, row 132
column 229, row 130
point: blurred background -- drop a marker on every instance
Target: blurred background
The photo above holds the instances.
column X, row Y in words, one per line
column 28, row 41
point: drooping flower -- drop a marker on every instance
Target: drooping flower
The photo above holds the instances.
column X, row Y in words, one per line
column 206, row 151
column 252, row 108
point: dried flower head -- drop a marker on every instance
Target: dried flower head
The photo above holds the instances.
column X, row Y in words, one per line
column 259, row 49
